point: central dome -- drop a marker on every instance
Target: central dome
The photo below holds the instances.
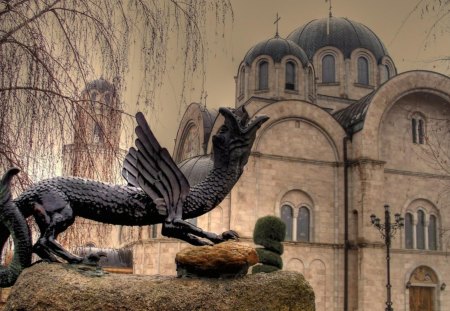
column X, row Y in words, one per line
column 276, row 48
column 342, row 33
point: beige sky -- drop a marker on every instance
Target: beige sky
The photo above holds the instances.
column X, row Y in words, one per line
column 253, row 22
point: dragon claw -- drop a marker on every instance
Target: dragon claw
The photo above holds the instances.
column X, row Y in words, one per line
column 230, row 235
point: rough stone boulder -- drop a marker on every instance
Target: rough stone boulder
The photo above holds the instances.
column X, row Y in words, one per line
column 228, row 259
column 63, row 287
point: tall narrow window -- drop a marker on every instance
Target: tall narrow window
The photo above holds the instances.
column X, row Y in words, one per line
column 154, row 231
column 242, row 81
column 290, row 76
column 328, row 69
column 98, row 133
column 263, row 75
column 418, row 129
column 286, row 217
column 363, row 70
column 310, row 82
column 420, row 230
column 432, row 241
column 414, row 130
column 388, row 72
column 409, row 231
column 303, row 222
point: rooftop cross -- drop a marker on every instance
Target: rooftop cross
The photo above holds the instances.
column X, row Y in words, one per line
column 276, row 22
column 330, row 14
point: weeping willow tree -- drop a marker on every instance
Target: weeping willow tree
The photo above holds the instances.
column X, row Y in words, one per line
column 51, row 49
column 437, row 13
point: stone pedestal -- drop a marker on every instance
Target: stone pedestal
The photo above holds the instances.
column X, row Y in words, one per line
column 64, row 287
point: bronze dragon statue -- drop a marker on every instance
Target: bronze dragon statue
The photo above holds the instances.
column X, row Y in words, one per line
column 157, row 192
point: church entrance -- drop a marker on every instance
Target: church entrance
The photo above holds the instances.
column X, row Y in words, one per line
column 421, row 298
column 422, row 289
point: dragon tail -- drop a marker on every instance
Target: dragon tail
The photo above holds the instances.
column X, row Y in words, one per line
column 13, row 223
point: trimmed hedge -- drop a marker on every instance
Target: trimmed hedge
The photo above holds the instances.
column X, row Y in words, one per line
column 264, row 268
column 269, row 228
column 269, row 258
column 269, row 232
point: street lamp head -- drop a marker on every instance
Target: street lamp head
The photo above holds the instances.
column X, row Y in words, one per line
column 372, row 218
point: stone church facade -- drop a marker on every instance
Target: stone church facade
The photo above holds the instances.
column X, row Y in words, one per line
column 347, row 134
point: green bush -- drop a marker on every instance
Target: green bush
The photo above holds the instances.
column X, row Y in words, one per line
column 271, row 245
column 264, row 268
column 269, row 258
column 269, row 228
column 269, row 232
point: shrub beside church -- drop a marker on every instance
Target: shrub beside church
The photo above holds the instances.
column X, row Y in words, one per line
column 269, row 232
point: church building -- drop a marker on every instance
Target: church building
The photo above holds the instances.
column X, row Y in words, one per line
column 347, row 135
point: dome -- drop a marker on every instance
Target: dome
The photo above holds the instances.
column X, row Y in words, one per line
column 276, row 48
column 344, row 34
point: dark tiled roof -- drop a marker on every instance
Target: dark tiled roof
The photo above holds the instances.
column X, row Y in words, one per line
column 276, row 48
column 197, row 168
column 344, row 34
column 352, row 117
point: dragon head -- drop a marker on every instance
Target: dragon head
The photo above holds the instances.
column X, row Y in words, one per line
column 233, row 142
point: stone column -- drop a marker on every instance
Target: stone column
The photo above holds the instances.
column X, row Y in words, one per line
column 295, row 212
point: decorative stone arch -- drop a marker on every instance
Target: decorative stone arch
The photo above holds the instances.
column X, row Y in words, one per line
column 372, row 65
column 422, row 289
column 338, row 62
column 296, row 198
column 428, row 208
column 199, row 116
column 367, row 144
column 295, row 264
column 386, row 62
column 315, row 116
column 317, row 276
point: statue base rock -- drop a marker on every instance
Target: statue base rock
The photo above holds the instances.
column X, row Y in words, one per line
column 224, row 260
column 67, row 287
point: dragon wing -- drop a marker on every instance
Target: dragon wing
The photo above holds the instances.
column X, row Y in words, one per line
column 150, row 167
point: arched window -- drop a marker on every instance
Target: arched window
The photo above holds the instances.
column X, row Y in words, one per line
column 363, row 70
column 290, row 76
column 98, row 133
column 263, row 75
column 328, row 69
column 409, row 231
column 286, row 217
column 242, row 81
column 388, row 72
column 303, row 222
column 418, row 129
column 432, row 240
column 310, row 82
column 420, row 230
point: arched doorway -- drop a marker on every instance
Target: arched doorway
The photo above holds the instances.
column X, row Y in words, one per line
column 422, row 286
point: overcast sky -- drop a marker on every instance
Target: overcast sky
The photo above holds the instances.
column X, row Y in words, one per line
column 403, row 36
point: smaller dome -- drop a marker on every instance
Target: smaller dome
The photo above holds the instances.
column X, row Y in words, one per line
column 342, row 33
column 276, row 48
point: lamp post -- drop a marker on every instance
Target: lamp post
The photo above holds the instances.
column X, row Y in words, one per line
column 387, row 231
